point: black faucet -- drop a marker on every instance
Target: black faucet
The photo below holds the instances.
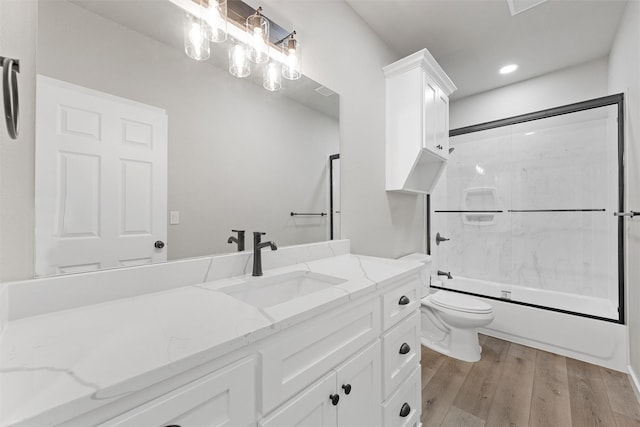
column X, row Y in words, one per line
column 257, row 254
column 239, row 240
column 445, row 273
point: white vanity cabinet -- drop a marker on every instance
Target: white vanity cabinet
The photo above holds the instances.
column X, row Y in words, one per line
column 225, row 397
column 417, row 122
column 348, row 396
column 356, row 364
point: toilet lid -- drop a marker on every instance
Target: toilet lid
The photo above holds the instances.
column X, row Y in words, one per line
column 460, row 302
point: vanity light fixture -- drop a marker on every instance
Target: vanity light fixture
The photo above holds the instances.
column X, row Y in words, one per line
column 248, row 32
column 272, row 77
column 292, row 65
column 507, row 69
column 258, row 28
column 196, row 43
column 239, row 61
column 215, row 19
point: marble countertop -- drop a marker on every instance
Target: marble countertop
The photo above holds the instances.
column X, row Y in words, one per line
column 59, row 364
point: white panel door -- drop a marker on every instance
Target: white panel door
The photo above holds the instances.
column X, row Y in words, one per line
column 101, row 180
column 360, row 377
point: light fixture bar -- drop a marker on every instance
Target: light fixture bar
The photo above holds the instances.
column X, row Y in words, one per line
column 236, row 8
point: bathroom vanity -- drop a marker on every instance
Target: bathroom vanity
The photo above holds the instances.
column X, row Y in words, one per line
column 327, row 341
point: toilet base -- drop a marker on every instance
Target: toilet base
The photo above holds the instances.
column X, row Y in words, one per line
column 463, row 345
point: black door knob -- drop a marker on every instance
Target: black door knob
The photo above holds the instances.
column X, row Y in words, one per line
column 404, row 348
column 405, row 410
column 404, row 300
column 159, row 244
column 346, row 388
column 334, row 399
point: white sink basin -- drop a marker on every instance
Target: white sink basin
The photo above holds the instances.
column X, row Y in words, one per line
column 273, row 290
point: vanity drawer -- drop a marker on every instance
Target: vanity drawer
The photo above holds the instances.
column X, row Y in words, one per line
column 400, row 302
column 225, row 397
column 401, row 352
column 403, row 408
column 302, row 355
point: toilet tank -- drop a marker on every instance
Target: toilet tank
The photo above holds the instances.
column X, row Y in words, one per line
column 425, row 275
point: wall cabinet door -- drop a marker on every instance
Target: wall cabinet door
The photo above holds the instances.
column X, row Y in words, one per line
column 435, row 118
column 223, row 398
column 311, row 408
column 360, row 377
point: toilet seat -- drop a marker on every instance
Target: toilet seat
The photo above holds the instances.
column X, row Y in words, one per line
column 460, row 302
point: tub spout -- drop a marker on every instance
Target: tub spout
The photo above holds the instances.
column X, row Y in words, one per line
column 445, row 273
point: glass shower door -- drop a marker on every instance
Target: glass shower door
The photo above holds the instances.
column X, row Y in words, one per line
column 529, row 211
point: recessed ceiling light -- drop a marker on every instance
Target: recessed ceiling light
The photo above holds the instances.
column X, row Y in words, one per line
column 508, row 68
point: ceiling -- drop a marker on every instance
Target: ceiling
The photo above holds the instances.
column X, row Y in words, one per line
column 472, row 39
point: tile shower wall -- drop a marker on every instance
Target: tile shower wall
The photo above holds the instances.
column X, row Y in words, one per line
column 562, row 163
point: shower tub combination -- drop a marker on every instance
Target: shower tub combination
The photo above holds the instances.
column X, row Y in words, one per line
column 525, row 219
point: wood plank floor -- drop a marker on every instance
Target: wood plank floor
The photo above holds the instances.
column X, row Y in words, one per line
column 516, row 386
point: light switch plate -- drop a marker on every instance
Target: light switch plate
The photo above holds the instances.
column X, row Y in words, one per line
column 174, row 217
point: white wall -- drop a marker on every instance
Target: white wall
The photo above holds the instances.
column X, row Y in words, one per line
column 624, row 76
column 17, row 40
column 239, row 157
column 344, row 53
column 574, row 84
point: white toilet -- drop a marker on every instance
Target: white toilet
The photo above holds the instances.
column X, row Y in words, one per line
column 450, row 323
column 450, row 320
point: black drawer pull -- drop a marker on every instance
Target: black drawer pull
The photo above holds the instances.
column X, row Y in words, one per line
column 404, row 348
column 404, row 300
column 346, row 388
column 405, row 410
column 334, row 399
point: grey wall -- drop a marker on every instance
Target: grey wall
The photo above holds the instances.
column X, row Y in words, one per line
column 574, row 84
column 343, row 52
column 624, row 76
column 240, row 157
column 17, row 40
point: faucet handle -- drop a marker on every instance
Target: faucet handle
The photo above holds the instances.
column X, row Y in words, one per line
column 238, row 231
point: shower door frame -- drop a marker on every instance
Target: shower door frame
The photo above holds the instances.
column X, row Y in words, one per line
column 605, row 101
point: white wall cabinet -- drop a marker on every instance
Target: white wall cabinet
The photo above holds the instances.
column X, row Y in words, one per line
column 417, row 122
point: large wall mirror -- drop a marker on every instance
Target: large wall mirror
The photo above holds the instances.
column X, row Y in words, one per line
column 138, row 144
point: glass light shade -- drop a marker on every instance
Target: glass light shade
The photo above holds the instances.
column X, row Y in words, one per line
column 292, row 66
column 239, row 61
column 258, row 29
column 215, row 18
column 272, row 77
column 196, row 44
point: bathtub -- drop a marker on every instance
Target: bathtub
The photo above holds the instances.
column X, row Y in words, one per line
column 589, row 339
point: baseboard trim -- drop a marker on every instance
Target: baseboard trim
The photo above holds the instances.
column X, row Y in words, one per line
column 635, row 384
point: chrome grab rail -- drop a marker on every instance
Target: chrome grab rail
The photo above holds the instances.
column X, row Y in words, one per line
column 630, row 214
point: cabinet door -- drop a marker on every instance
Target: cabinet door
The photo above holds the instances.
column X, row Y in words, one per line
column 360, row 376
column 429, row 114
column 442, row 124
column 223, row 398
column 311, row 408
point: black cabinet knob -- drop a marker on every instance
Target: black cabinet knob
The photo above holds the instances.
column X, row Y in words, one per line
column 159, row 244
column 405, row 410
column 404, row 348
column 346, row 388
column 404, row 300
column 334, row 399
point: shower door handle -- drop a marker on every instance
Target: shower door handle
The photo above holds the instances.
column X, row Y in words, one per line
column 629, row 214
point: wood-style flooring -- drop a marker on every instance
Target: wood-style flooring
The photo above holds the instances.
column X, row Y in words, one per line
column 513, row 386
